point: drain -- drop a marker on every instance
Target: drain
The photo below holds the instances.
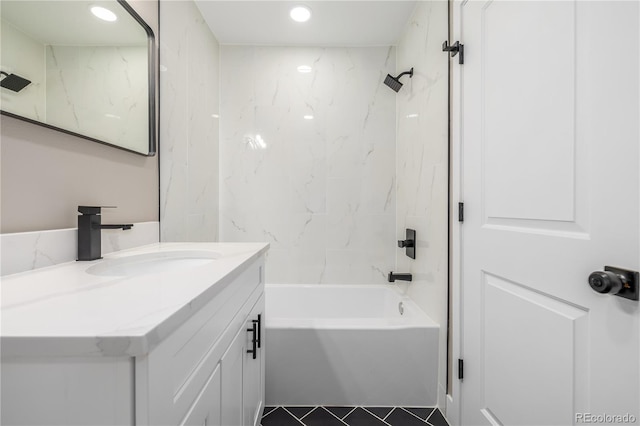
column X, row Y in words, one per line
column 401, row 308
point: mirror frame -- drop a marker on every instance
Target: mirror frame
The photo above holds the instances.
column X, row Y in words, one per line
column 153, row 119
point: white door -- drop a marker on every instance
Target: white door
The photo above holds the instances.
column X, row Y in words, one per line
column 549, row 141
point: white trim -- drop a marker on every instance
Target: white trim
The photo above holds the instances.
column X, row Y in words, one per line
column 453, row 409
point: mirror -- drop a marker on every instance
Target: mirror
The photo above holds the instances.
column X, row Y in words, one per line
column 81, row 67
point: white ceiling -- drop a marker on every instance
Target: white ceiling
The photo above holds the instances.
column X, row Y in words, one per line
column 71, row 23
column 332, row 23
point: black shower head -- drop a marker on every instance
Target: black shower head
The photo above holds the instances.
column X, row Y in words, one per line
column 13, row 82
column 394, row 82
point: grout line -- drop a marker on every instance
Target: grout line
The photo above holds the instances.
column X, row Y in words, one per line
column 433, row 412
column 389, row 413
column 265, row 415
column 339, row 419
column 384, row 420
column 352, row 410
column 429, row 416
column 310, row 411
column 291, row 414
column 417, row 417
column 270, row 411
column 378, row 417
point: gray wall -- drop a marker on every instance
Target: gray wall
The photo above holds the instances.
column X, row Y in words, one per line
column 46, row 174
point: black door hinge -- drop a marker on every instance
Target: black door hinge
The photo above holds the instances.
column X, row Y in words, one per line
column 460, row 212
column 455, row 48
column 460, row 369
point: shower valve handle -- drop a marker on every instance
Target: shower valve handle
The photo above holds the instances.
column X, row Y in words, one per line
column 409, row 243
column 405, row 243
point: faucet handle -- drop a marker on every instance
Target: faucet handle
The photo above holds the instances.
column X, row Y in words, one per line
column 405, row 243
column 409, row 244
column 93, row 209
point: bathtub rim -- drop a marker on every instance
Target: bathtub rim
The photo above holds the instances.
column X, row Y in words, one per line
column 418, row 319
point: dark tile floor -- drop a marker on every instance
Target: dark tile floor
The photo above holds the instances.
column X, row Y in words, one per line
column 352, row 416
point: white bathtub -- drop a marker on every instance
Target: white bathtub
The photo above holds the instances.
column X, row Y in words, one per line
column 348, row 345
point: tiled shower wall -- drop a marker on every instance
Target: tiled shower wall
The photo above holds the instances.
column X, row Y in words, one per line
column 73, row 87
column 320, row 189
column 189, row 64
column 422, row 165
column 81, row 83
column 27, row 56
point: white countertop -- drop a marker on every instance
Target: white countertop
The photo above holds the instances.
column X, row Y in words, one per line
column 64, row 311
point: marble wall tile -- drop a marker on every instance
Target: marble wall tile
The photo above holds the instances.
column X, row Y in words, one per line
column 81, row 83
column 25, row 251
column 421, row 199
column 320, row 190
column 23, row 56
column 189, row 120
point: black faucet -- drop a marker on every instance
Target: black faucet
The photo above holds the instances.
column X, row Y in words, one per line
column 400, row 277
column 90, row 232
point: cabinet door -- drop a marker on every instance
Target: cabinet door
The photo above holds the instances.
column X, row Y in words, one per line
column 205, row 410
column 253, row 371
column 231, row 364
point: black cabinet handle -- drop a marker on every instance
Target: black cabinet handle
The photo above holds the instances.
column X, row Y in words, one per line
column 259, row 323
column 254, row 341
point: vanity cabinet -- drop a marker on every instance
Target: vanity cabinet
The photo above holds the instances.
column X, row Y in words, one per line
column 243, row 373
column 203, row 373
column 238, row 398
column 206, row 408
column 197, row 375
column 253, row 376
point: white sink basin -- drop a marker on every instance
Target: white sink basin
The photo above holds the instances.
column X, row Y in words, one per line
column 152, row 263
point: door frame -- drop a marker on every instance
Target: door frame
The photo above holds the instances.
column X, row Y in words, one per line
column 453, row 401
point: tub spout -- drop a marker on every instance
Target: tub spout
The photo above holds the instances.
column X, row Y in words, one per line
column 400, row 277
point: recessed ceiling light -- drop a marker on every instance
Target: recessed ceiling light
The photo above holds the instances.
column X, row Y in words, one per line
column 300, row 13
column 304, row 68
column 104, row 14
column 308, row 117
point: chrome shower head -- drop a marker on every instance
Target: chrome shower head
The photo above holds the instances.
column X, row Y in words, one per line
column 394, row 82
column 13, row 82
